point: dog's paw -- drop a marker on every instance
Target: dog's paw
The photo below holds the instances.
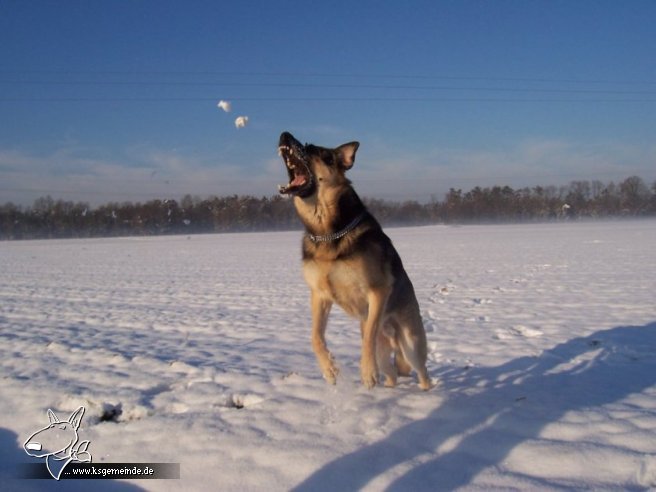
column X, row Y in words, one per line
column 330, row 374
column 369, row 381
column 425, row 382
column 330, row 370
column 425, row 385
column 390, row 382
column 369, row 378
column 328, row 367
column 368, row 372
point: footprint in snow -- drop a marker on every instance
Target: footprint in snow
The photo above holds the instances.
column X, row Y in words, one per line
column 238, row 401
column 517, row 330
column 525, row 331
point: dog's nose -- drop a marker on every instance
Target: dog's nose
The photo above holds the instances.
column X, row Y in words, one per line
column 33, row 446
column 286, row 138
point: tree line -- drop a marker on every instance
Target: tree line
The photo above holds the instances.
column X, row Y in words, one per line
column 50, row 218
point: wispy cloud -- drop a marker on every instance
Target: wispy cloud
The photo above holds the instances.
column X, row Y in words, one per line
column 528, row 163
column 142, row 175
column 142, row 172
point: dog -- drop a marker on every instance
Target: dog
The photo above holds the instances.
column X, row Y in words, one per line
column 348, row 260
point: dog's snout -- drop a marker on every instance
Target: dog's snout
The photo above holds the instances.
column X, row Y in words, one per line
column 285, row 137
column 288, row 140
column 33, row 446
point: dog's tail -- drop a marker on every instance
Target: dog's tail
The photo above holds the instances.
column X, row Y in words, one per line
column 413, row 352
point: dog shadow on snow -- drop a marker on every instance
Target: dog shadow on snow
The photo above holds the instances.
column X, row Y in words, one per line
column 489, row 411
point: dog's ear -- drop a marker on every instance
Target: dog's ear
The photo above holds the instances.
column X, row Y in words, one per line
column 76, row 418
column 346, row 154
column 52, row 417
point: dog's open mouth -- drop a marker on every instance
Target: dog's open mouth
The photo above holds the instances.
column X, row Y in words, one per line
column 293, row 154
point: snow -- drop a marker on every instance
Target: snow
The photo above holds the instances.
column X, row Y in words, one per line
column 241, row 121
column 542, row 338
column 226, row 106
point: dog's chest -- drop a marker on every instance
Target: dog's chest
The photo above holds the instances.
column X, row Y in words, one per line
column 341, row 282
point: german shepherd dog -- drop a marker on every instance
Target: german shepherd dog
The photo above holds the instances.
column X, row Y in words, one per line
column 348, row 260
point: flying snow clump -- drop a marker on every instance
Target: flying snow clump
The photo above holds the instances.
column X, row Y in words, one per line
column 224, row 105
column 241, row 121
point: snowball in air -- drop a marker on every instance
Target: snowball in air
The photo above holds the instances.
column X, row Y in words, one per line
column 224, row 105
column 241, row 121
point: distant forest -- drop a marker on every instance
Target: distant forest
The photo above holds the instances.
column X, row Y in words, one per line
column 50, row 218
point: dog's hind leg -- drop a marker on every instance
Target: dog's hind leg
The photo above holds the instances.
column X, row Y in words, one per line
column 384, row 349
column 320, row 310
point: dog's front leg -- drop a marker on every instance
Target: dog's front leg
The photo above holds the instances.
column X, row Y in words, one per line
column 376, row 306
column 320, row 310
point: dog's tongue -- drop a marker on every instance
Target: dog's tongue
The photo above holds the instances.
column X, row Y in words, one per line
column 298, row 181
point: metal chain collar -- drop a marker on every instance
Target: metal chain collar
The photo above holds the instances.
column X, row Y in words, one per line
column 340, row 234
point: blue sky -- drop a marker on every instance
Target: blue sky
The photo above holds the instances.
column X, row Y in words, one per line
column 116, row 101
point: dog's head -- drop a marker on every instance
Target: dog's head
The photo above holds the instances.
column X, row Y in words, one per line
column 311, row 168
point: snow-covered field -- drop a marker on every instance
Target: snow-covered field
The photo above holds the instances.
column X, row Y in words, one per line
column 542, row 339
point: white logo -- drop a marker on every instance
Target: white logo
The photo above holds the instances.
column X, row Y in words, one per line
column 58, row 443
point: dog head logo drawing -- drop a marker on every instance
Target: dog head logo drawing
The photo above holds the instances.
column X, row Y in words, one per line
column 58, row 443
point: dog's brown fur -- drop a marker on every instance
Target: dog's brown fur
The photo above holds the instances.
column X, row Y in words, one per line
column 360, row 270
